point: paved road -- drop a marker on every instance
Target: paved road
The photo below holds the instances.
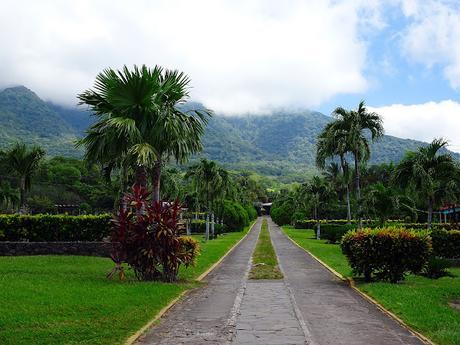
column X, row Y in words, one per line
column 208, row 315
column 308, row 306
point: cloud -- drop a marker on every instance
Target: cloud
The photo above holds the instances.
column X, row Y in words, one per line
column 423, row 121
column 431, row 38
column 242, row 56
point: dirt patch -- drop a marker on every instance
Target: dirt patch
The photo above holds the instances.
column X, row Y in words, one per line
column 455, row 303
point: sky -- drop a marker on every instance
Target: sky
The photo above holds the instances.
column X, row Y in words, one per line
column 255, row 56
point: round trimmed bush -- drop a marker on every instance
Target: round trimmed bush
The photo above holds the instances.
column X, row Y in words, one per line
column 386, row 254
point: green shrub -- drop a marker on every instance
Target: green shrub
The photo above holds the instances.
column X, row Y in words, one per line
column 334, row 232
column 386, row 254
column 235, row 216
column 251, row 211
column 446, row 244
column 150, row 241
column 198, row 226
column 436, row 267
column 48, row 228
column 282, row 214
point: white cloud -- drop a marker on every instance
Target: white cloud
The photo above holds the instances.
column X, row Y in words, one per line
column 423, row 121
column 433, row 35
column 242, row 56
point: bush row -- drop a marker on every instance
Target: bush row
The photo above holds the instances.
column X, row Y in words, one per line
column 334, row 232
column 48, row 228
column 199, row 226
column 445, row 243
column 311, row 224
column 386, row 254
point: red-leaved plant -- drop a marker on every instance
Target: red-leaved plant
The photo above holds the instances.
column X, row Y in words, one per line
column 147, row 237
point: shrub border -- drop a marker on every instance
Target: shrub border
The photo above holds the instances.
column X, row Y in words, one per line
column 351, row 283
column 132, row 339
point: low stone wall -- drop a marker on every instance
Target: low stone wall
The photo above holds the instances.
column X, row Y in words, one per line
column 56, row 248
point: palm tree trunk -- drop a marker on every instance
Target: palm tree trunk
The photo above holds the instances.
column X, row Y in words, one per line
column 347, row 189
column 156, row 180
column 358, row 189
column 430, row 212
column 318, row 225
column 22, row 195
column 141, row 176
column 348, row 205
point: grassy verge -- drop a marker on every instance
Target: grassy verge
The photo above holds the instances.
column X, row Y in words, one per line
column 67, row 299
column 421, row 302
column 264, row 261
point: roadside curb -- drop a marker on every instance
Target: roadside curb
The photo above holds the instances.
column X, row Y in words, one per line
column 351, row 283
column 132, row 339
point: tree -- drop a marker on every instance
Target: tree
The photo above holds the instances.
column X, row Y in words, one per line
column 206, row 179
column 319, row 193
column 23, row 162
column 333, row 141
column 140, row 122
column 355, row 125
column 9, row 196
column 381, row 202
column 429, row 172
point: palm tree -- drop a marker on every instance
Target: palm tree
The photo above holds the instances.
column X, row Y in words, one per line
column 381, row 202
column 140, row 123
column 332, row 142
column 356, row 124
column 319, row 193
column 206, row 178
column 24, row 162
column 429, row 172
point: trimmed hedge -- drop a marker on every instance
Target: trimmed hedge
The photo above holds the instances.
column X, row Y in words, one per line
column 52, row 228
column 334, row 232
column 281, row 214
column 386, row 254
column 446, row 244
column 199, row 226
column 235, row 216
column 251, row 211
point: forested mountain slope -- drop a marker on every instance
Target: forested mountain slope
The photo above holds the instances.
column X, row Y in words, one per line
column 277, row 144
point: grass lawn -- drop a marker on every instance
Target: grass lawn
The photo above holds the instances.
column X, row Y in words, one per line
column 421, row 302
column 68, row 300
column 264, row 261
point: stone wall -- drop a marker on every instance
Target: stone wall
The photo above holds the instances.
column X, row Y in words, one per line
column 55, row 248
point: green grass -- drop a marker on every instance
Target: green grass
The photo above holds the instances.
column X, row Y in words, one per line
column 329, row 253
column 421, row 302
column 68, row 300
column 264, row 261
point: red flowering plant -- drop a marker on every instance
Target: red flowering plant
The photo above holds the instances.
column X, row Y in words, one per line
column 147, row 237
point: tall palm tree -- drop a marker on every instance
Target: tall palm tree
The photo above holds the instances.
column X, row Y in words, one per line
column 333, row 142
column 24, row 162
column 356, row 124
column 429, row 172
column 140, row 123
column 206, row 178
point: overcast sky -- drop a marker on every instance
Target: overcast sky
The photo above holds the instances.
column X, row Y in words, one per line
column 402, row 57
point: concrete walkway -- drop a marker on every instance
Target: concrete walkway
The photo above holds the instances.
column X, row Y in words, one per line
column 208, row 315
column 308, row 306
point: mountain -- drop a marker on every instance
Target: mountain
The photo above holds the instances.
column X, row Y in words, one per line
column 279, row 144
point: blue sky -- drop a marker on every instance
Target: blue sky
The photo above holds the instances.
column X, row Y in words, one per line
column 253, row 56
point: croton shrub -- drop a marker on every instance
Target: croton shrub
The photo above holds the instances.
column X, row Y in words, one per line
column 147, row 237
column 388, row 253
